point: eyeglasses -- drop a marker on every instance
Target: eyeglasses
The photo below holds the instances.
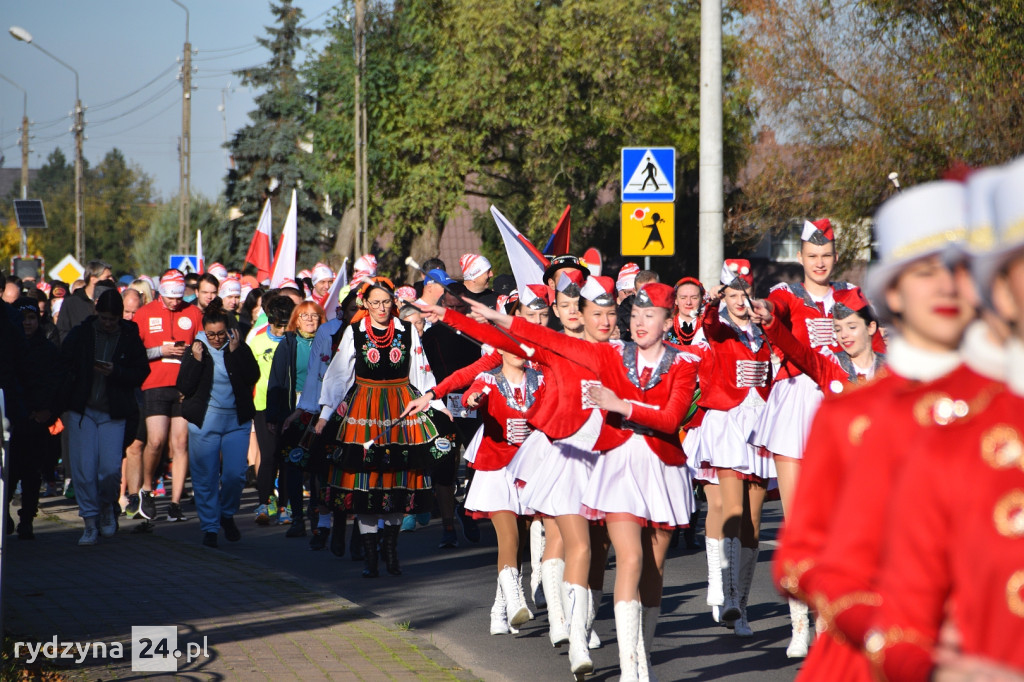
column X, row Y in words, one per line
column 308, row 316
column 217, row 335
column 386, row 303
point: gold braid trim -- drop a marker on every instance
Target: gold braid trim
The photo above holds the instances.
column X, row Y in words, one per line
column 877, row 642
column 792, row 572
column 828, row 611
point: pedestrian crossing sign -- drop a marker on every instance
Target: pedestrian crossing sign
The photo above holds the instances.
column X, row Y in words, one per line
column 648, row 229
column 187, row 263
column 648, row 174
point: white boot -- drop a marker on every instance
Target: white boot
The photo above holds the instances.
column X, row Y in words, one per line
column 801, row 639
column 499, row 622
column 645, row 643
column 551, row 573
column 730, row 560
column 627, row 632
column 522, row 593
column 537, row 541
column 515, row 607
column 748, row 562
column 595, row 603
column 577, row 611
column 713, row 549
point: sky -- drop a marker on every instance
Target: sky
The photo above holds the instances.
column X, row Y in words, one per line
column 118, row 47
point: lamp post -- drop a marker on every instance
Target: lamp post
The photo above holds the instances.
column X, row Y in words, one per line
column 78, row 127
column 185, row 148
column 24, row 156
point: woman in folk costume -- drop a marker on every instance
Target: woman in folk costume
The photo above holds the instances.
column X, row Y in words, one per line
column 377, row 469
column 964, row 554
column 830, row 548
column 735, row 376
column 689, row 296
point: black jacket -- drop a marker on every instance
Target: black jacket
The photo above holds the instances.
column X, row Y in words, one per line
column 131, row 367
column 43, row 358
column 281, row 383
column 76, row 308
column 195, row 381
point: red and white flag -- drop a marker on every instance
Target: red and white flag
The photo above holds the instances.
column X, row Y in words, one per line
column 199, row 252
column 260, row 247
column 284, row 259
column 331, row 303
column 527, row 262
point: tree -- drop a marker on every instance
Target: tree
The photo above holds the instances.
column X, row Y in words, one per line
column 856, row 89
column 267, row 152
column 160, row 239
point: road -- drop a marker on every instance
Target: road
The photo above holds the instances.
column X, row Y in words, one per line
column 445, row 596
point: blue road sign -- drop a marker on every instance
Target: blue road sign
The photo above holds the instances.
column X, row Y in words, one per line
column 648, row 174
column 186, row 263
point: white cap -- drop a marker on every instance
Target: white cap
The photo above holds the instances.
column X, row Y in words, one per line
column 321, row 272
column 1007, row 208
column 926, row 220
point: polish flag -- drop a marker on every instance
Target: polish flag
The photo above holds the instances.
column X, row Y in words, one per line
column 558, row 245
column 260, row 247
column 199, row 252
column 284, row 259
column 527, row 262
column 331, row 303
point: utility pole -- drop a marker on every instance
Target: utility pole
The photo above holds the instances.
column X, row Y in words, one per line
column 359, row 129
column 185, row 146
column 710, row 212
column 24, row 156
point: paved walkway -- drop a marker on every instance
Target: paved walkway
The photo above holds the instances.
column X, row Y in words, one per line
column 257, row 624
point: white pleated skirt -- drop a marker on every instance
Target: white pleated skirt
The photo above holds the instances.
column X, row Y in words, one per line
column 706, row 473
column 469, row 454
column 557, row 477
column 724, row 436
column 632, row 479
column 787, row 416
column 494, row 491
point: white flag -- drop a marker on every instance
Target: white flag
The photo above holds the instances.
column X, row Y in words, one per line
column 284, row 259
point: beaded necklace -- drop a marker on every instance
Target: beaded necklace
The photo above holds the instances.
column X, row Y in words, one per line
column 686, row 337
column 384, row 340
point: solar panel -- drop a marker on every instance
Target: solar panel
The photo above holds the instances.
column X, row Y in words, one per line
column 29, row 213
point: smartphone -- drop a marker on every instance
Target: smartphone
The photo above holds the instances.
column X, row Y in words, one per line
column 179, row 343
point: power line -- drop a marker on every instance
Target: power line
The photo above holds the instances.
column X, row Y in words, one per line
column 168, row 88
column 112, row 102
column 136, row 125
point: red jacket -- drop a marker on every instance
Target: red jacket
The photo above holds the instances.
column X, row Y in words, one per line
column 658, row 408
column 810, row 322
column 829, row 552
column 504, row 421
column 726, row 359
column 962, row 556
column 157, row 326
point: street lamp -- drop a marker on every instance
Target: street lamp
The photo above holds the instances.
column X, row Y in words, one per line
column 79, row 129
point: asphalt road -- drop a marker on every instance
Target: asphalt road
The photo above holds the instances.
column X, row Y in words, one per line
column 445, row 595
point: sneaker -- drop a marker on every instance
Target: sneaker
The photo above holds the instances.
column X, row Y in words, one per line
column 133, row 506
column 230, row 528
column 108, row 522
column 160, row 491
column 297, row 530
column 90, row 537
column 423, row 518
column 262, row 515
column 147, row 505
column 319, row 539
column 449, row 540
column 25, row 530
column 272, row 506
column 409, row 523
column 470, row 528
column 174, row 513
column 209, row 539
column 284, row 516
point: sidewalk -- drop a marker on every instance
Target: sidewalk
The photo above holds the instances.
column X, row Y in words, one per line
column 257, row 624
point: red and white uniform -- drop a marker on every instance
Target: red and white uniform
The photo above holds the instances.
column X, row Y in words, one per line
column 503, row 407
column 159, row 326
column 735, row 377
column 962, row 557
column 794, row 398
column 830, row 548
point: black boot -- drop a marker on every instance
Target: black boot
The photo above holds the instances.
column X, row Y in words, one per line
column 355, row 545
column 389, row 544
column 370, row 552
column 338, row 538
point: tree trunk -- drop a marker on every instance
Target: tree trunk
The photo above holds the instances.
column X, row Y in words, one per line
column 344, row 241
column 426, row 244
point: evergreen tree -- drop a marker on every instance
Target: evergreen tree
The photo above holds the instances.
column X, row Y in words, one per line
column 267, row 152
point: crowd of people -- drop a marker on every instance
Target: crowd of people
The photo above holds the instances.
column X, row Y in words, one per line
column 593, row 414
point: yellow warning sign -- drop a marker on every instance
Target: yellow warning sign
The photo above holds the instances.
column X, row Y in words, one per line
column 67, row 270
column 648, row 229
